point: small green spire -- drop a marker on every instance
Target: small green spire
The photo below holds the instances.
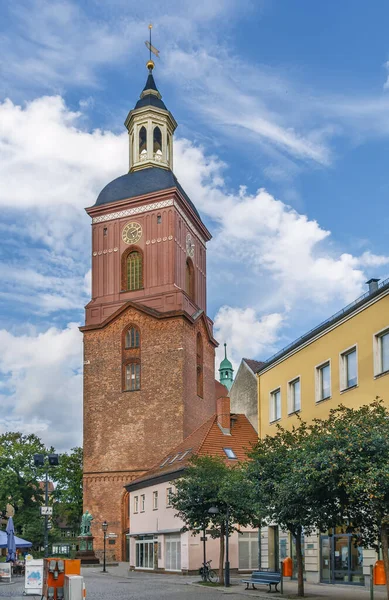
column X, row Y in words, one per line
column 226, row 372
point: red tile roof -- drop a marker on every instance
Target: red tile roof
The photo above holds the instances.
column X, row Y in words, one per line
column 254, row 365
column 208, row 439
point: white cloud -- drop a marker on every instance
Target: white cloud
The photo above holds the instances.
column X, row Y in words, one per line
column 275, row 257
column 246, row 333
column 42, row 385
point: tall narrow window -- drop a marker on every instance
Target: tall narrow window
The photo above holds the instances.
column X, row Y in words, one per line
column 199, row 366
column 275, row 405
column 348, row 369
column 132, row 377
column 132, row 338
column 168, row 148
column 189, row 278
column 381, row 352
column 294, row 396
column 142, row 143
column 157, row 140
column 134, row 271
column 323, row 381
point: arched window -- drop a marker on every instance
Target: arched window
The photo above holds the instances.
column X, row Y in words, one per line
column 132, row 339
column 134, row 271
column 157, row 140
column 189, row 278
column 132, row 376
column 142, row 142
column 199, row 365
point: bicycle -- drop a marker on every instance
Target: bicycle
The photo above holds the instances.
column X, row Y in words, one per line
column 207, row 573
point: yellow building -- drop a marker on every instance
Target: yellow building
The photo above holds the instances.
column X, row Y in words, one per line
column 344, row 360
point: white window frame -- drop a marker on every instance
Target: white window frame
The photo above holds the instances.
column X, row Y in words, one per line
column 343, row 368
column 142, row 502
column 136, row 504
column 377, row 355
column 272, row 416
column 169, row 492
column 290, row 397
column 317, row 380
column 155, row 500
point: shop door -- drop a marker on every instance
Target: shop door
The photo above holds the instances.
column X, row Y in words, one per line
column 341, row 561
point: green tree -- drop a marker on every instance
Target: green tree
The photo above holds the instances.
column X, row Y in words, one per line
column 68, row 494
column 284, row 492
column 20, row 482
column 210, row 482
column 347, row 458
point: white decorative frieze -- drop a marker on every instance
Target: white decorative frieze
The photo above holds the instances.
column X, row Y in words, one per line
column 136, row 210
column 132, row 211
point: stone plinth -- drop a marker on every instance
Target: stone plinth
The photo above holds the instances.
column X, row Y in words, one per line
column 86, row 553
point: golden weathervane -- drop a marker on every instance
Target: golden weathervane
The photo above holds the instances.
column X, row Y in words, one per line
column 153, row 49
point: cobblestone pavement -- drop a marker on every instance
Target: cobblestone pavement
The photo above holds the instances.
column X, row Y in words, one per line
column 118, row 584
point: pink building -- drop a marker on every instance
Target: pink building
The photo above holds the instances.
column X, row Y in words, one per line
column 156, row 541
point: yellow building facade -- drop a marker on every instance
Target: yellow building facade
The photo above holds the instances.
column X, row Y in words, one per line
column 344, row 360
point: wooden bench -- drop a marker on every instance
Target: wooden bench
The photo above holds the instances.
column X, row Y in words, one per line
column 263, row 577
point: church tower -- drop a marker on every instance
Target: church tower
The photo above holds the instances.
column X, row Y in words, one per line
column 149, row 349
column 226, row 372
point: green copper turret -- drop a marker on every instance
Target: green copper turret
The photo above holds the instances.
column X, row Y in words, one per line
column 226, row 372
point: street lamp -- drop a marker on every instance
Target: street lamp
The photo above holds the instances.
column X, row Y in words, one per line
column 104, row 527
column 52, row 461
column 214, row 511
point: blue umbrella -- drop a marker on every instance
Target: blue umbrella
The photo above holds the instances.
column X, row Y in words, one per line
column 11, row 545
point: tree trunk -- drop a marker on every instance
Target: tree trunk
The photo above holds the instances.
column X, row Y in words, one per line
column 299, row 557
column 385, row 555
column 221, row 556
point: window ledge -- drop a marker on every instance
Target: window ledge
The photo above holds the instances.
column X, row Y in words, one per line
column 275, row 421
column 323, row 399
column 381, row 374
column 130, row 391
column 347, row 389
column 155, row 508
column 294, row 412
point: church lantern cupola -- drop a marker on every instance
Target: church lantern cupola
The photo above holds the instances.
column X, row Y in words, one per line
column 226, row 372
column 150, row 127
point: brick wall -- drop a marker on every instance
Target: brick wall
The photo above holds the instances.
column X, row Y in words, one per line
column 125, row 433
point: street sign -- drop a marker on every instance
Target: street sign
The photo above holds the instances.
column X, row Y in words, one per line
column 46, row 510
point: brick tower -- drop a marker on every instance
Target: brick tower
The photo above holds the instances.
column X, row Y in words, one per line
column 148, row 345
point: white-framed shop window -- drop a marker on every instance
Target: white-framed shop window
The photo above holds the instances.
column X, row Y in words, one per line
column 173, row 553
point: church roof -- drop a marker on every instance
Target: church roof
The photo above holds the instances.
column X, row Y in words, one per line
column 139, row 183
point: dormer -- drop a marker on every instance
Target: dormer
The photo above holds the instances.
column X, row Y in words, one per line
column 150, row 128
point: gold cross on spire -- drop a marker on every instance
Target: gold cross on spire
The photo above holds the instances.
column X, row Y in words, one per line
column 150, row 63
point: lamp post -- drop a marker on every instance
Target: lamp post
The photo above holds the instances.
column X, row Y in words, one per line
column 214, row 511
column 104, row 527
column 51, row 460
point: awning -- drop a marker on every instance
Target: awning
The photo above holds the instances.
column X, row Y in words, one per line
column 19, row 542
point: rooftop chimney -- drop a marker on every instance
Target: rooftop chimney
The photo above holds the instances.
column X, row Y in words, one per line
column 373, row 285
column 223, row 414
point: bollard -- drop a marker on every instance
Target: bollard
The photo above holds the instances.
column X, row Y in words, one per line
column 282, row 577
column 371, row 583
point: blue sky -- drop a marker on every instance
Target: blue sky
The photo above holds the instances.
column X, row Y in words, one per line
column 282, row 144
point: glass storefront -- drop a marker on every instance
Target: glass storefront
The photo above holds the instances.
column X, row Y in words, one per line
column 145, row 552
column 173, row 553
column 341, row 561
column 248, row 551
